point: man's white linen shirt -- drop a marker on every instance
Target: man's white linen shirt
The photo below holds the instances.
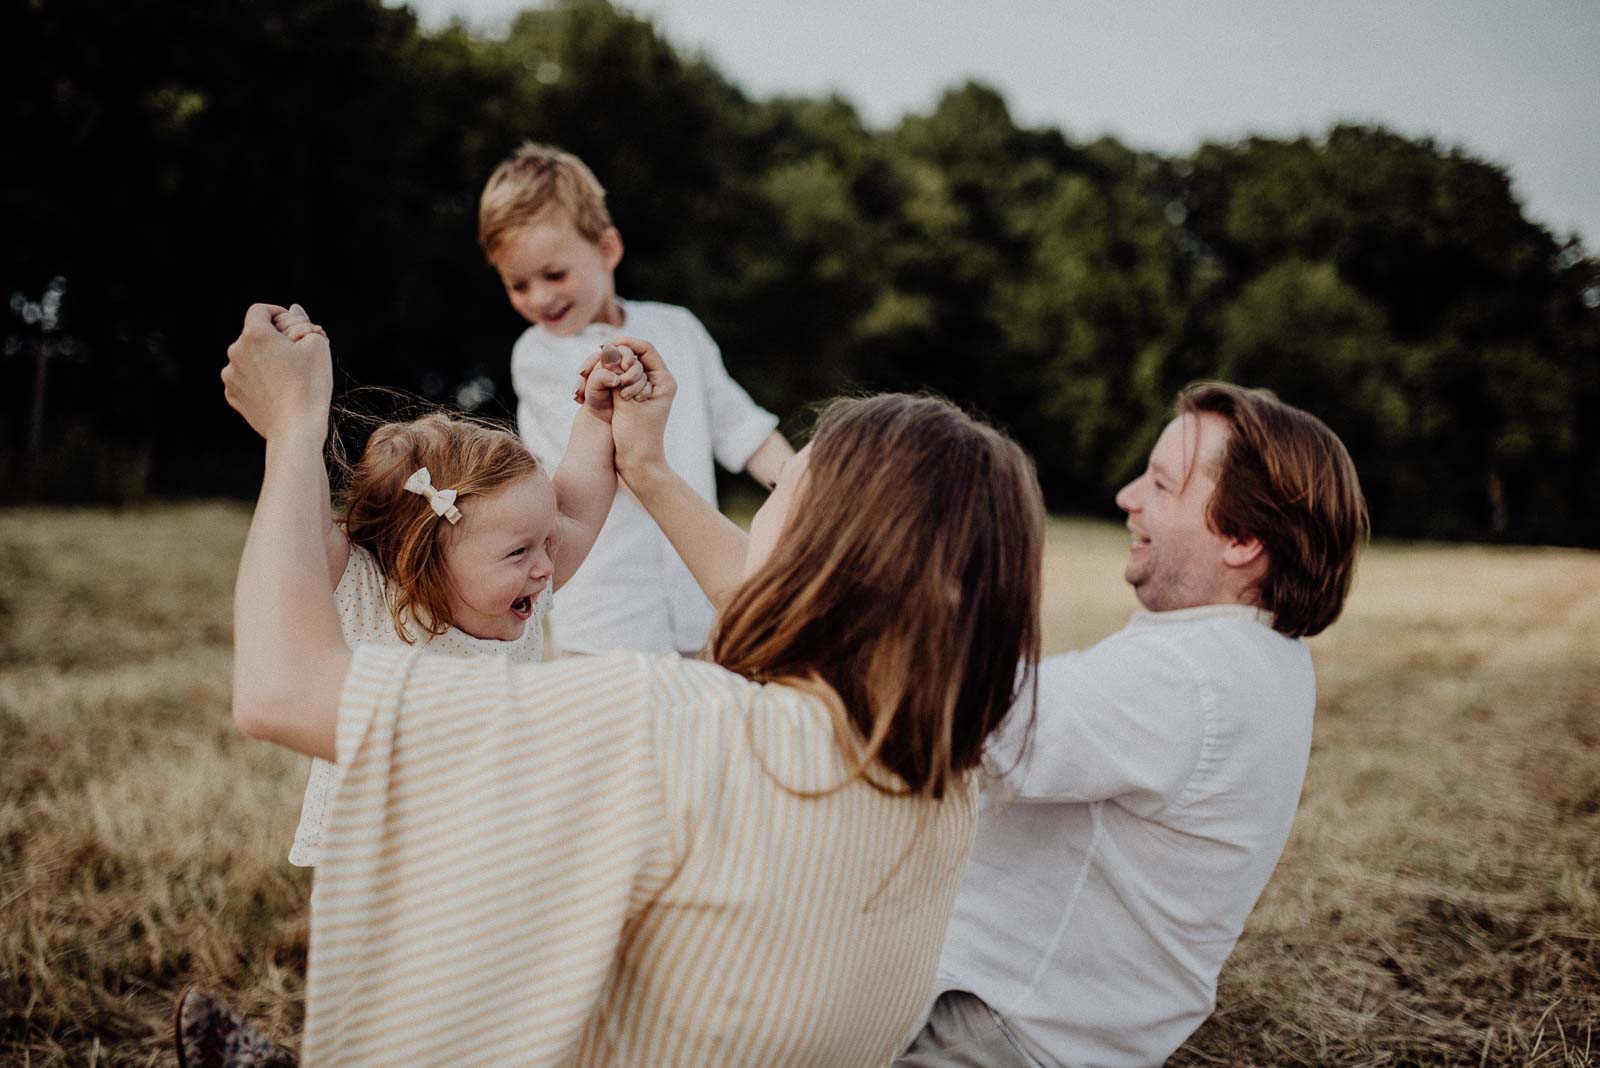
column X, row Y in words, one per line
column 633, row 591
column 1114, row 865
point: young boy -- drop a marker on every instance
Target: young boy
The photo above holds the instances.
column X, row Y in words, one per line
column 543, row 224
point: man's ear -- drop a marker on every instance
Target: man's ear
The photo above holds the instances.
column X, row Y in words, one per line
column 610, row 245
column 1243, row 552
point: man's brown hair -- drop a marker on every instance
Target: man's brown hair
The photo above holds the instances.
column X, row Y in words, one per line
column 1285, row 479
column 537, row 179
column 399, row 528
column 907, row 581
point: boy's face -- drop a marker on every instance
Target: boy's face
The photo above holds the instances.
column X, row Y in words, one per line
column 557, row 278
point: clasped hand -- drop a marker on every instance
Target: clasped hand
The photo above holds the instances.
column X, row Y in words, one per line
column 638, row 427
column 280, row 378
column 281, row 381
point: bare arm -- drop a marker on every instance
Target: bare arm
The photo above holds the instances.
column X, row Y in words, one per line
column 586, row 484
column 335, row 543
column 586, row 479
column 290, row 657
column 768, row 459
column 295, row 324
column 710, row 544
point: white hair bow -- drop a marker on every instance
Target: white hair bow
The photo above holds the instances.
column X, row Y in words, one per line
column 443, row 502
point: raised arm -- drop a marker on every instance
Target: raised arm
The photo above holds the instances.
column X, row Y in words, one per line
column 586, row 484
column 295, row 324
column 767, row 461
column 290, row 657
column 709, row 543
column 586, row 478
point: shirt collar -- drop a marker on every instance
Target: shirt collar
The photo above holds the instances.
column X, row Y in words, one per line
column 1205, row 611
column 605, row 330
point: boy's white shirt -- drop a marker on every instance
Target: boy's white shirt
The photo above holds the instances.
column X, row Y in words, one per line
column 364, row 617
column 633, row 591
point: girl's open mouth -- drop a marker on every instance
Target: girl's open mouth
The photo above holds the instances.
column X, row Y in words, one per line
column 522, row 607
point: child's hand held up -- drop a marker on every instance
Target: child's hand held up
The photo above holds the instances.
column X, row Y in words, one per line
column 639, row 431
column 610, row 373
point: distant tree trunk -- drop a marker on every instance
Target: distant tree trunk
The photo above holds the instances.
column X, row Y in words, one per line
column 33, row 479
column 1499, row 520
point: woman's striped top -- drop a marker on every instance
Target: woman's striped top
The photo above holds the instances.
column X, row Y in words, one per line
column 595, row 861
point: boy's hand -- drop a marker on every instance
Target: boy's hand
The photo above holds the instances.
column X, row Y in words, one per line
column 295, row 324
column 611, row 373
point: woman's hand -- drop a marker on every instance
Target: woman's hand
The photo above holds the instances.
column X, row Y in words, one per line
column 296, row 324
column 709, row 543
column 611, row 373
column 639, row 427
column 281, row 387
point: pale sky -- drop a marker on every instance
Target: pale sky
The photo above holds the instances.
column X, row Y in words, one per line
column 1517, row 84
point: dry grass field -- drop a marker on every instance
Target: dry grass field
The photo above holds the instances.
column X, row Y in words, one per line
column 1439, row 902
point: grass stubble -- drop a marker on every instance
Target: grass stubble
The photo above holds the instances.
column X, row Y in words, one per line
column 1438, row 903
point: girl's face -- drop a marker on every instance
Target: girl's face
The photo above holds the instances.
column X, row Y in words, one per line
column 498, row 561
column 773, row 515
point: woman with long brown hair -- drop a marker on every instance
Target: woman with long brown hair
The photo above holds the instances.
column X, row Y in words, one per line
column 648, row 860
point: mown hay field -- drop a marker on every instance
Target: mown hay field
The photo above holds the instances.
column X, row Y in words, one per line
column 1439, row 901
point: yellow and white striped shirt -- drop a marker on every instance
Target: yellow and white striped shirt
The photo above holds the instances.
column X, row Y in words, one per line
column 592, row 862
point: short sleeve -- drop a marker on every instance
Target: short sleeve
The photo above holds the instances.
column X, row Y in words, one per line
column 361, row 598
column 484, row 845
column 738, row 424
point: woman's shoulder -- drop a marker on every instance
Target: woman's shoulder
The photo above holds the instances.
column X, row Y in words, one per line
column 689, row 681
column 681, row 682
column 693, row 701
column 700, row 698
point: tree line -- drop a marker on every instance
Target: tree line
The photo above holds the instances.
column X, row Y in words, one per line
column 180, row 160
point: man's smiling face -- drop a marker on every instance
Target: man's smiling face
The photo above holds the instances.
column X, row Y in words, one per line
column 1176, row 560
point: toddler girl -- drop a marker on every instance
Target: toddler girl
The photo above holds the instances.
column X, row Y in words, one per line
column 454, row 536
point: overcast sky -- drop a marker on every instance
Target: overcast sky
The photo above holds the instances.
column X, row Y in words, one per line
column 1518, row 84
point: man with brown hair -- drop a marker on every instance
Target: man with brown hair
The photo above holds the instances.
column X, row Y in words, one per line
column 1121, row 848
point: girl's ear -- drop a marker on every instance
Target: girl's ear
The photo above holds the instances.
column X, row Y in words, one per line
column 610, row 245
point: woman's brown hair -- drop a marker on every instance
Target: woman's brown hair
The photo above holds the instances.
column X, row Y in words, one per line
column 1286, row 480
column 906, row 580
column 399, row 528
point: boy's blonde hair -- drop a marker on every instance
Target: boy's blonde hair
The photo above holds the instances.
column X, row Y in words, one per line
column 399, row 528
column 535, row 180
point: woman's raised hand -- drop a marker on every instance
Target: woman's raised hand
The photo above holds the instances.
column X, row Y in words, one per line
column 638, row 428
column 610, row 373
column 296, row 324
column 280, row 386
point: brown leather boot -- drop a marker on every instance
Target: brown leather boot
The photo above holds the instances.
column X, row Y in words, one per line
column 211, row 1035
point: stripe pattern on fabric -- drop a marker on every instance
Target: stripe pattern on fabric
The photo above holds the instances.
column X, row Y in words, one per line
column 585, row 862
